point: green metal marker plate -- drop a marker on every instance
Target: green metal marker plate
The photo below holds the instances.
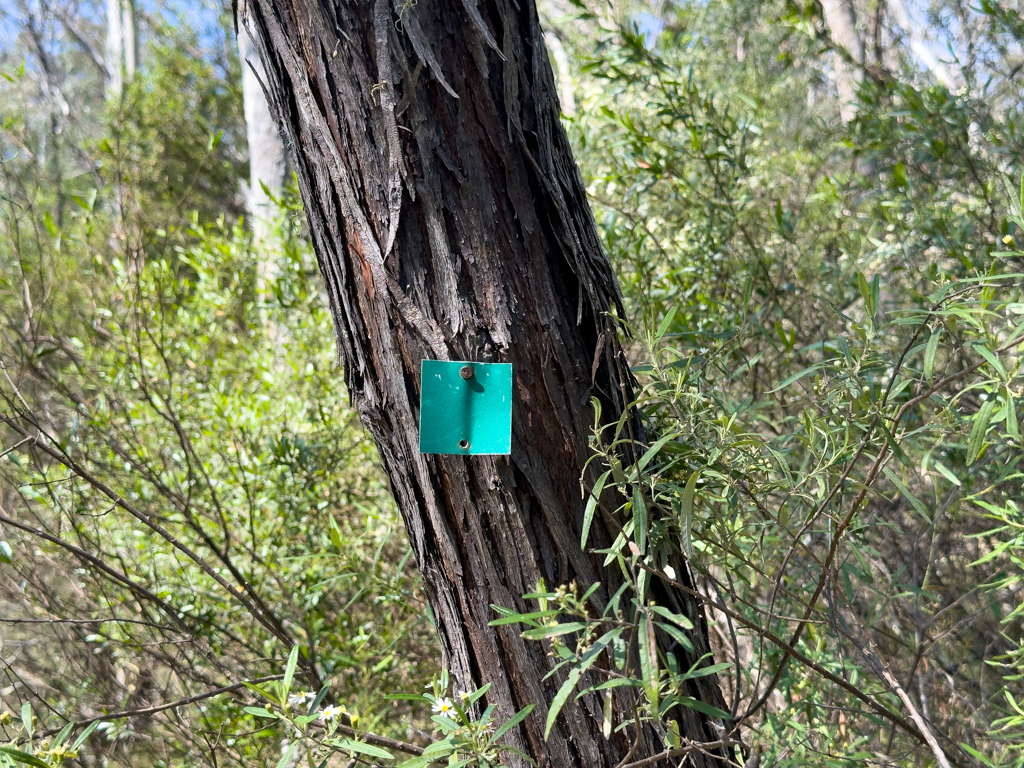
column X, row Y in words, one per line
column 463, row 413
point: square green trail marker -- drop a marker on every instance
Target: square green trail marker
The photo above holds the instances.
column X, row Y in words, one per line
column 465, row 408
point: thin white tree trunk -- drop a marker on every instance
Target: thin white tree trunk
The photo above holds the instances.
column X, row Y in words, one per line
column 114, row 50
column 130, row 38
column 841, row 19
column 267, row 165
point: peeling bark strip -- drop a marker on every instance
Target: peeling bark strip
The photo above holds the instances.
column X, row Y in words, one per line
column 450, row 222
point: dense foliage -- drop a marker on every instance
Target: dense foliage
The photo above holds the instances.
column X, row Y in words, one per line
column 825, row 320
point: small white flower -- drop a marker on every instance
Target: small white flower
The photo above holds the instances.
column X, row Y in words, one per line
column 703, row 350
column 302, row 697
column 443, row 706
column 464, row 695
column 332, row 713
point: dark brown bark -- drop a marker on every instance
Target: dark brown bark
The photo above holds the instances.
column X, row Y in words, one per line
column 450, row 222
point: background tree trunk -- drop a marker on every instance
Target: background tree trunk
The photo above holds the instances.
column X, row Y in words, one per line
column 841, row 19
column 121, row 50
column 450, row 222
column 267, row 166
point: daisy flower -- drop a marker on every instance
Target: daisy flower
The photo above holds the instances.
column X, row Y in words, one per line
column 332, row 713
column 443, row 706
column 464, row 695
column 302, row 697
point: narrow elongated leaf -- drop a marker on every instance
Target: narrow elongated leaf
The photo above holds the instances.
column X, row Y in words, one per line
column 1012, row 426
column 686, row 514
column 80, row 740
column 286, row 758
column 6, row 553
column 676, row 618
column 259, row 711
column 511, row 723
column 521, row 618
column 64, row 732
column 977, row 439
column 990, row 358
column 26, row 718
column 707, row 709
column 606, row 711
column 714, row 669
column 365, row 749
column 676, row 634
column 649, row 659
column 797, row 376
column 653, row 451
column 592, row 502
column 929, row 356
column 561, row 697
column 915, row 502
column 289, row 671
column 897, row 451
column 23, row 757
column 554, row 631
column 666, row 323
column 639, row 519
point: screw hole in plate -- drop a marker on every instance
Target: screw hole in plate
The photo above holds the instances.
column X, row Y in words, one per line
column 463, row 443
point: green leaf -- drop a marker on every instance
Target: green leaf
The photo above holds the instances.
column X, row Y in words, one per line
column 686, row 514
column 606, row 711
column 666, row 323
column 933, row 345
column 653, row 451
column 1012, row 426
column 511, row 723
column 946, row 473
column 707, row 709
column 22, row 757
column 592, row 502
column 896, row 450
column 318, row 700
column 85, row 734
column 797, row 376
column 6, row 553
column 676, row 618
column 714, row 669
column 259, row 711
column 866, row 294
column 64, row 733
column 649, row 659
column 289, row 670
column 364, row 749
column 287, row 756
column 980, row 429
column 520, row 618
column 26, row 718
column 676, row 634
column 639, row 519
column 335, row 533
column 561, row 697
column 914, row 501
column 554, row 631
column 990, row 358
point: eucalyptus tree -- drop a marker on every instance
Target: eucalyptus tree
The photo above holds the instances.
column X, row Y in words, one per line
column 450, row 222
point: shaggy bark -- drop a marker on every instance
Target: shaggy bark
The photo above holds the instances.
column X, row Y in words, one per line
column 450, row 221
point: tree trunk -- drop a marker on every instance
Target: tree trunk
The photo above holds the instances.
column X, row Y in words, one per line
column 121, row 50
column 114, row 50
column 267, row 165
column 841, row 19
column 450, row 222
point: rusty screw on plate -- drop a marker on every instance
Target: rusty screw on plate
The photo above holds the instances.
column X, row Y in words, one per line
column 467, row 372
